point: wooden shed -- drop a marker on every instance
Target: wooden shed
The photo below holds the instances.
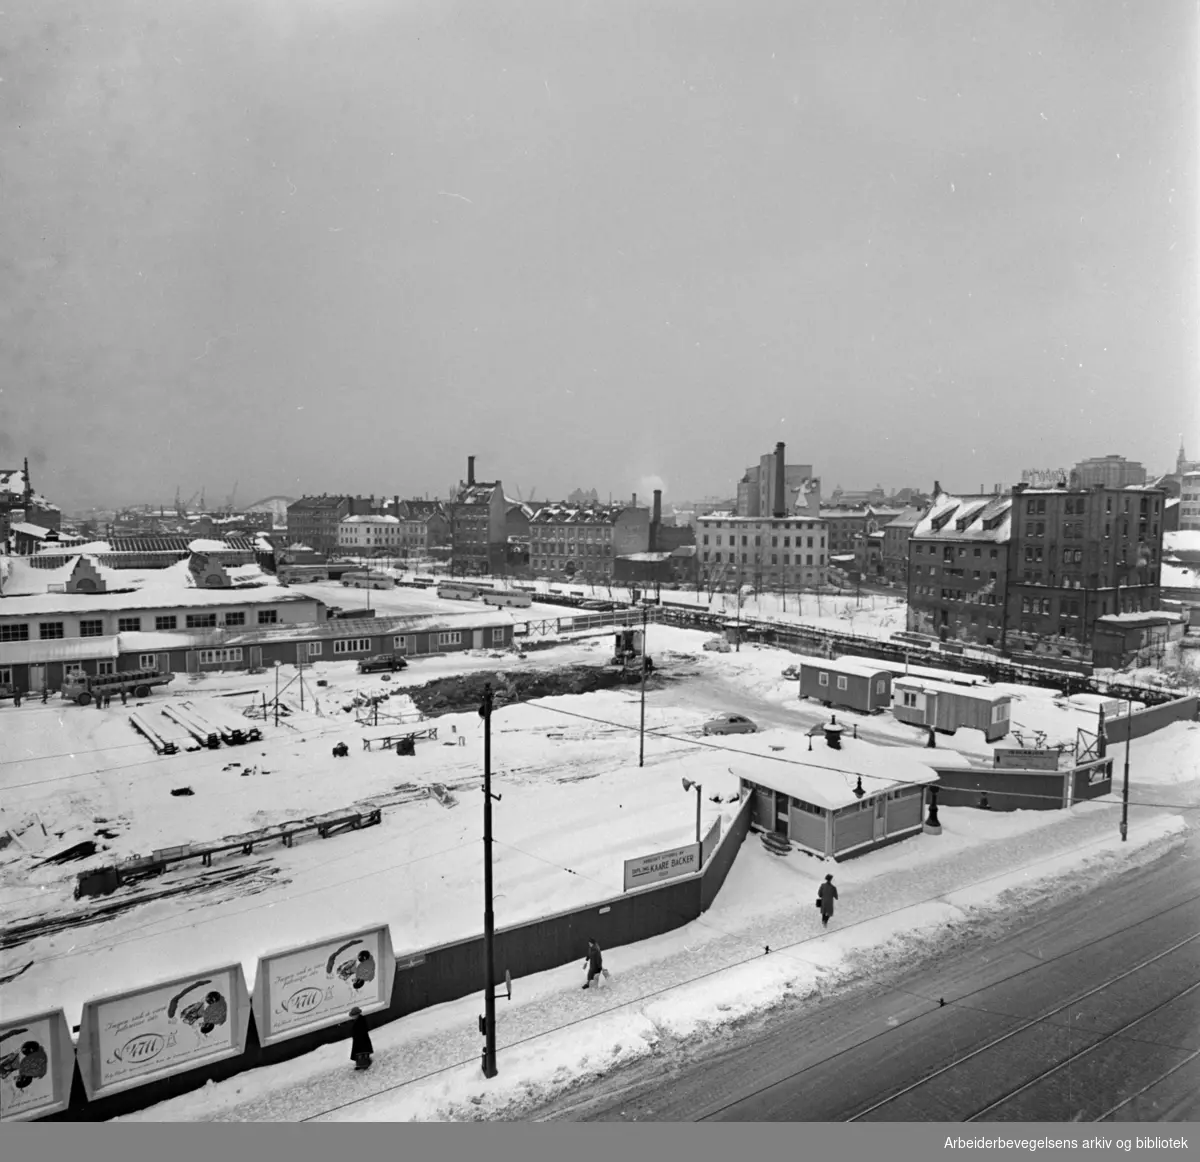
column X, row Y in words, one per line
column 924, row 702
column 832, row 796
column 853, row 684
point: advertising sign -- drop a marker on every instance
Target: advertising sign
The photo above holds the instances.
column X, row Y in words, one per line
column 662, row 865
column 37, row 1061
column 168, row 1028
column 301, row 989
column 1043, row 477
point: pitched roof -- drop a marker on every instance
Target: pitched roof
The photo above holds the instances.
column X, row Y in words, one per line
column 966, row 518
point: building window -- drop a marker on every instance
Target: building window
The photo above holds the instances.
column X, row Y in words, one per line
column 50, row 629
column 165, row 621
column 216, row 657
column 352, row 645
column 909, row 699
column 129, row 624
column 268, row 616
column 5, row 676
column 450, row 638
column 201, row 621
column 822, row 679
column 14, row 633
column 92, row 627
column 238, row 618
column 841, row 682
column 147, row 661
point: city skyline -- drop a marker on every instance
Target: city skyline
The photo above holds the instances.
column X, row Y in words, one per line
column 313, row 250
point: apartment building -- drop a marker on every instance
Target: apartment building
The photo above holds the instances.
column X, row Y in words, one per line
column 582, row 542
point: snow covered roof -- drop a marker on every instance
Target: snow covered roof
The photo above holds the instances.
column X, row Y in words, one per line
column 29, row 530
column 932, row 686
column 573, row 514
column 652, row 557
column 12, row 481
column 69, row 649
column 1130, row 620
column 908, row 519
column 370, row 627
column 317, row 503
column 152, row 597
column 202, row 545
column 966, row 518
column 476, row 493
column 860, row 666
column 823, row 776
column 370, row 518
column 145, row 641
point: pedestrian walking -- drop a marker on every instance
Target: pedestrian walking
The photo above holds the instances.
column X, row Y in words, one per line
column 594, row 964
column 16, row 697
column 107, row 701
column 360, row 1040
column 124, row 700
column 45, row 694
column 826, row 894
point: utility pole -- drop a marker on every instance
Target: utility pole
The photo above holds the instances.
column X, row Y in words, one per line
column 488, row 1021
column 276, row 693
column 642, row 728
column 1125, row 784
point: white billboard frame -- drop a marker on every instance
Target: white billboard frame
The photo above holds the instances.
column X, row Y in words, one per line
column 49, row 1032
column 266, row 1000
column 99, row 1031
column 662, row 866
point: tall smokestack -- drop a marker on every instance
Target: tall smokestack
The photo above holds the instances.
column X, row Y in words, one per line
column 634, row 500
column 656, row 520
column 780, row 482
column 470, row 470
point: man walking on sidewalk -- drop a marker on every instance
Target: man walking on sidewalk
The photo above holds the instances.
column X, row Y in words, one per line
column 594, row 965
column 826, row 894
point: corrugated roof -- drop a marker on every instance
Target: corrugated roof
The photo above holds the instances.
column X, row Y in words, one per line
column 157, row 597
column 70, row 649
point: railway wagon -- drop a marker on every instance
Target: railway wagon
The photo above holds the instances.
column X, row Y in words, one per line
column 851, row 684
column 923, row 702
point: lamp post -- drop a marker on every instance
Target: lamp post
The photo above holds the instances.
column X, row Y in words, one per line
column 642, row 727
column 489, row 921
column 688, row 785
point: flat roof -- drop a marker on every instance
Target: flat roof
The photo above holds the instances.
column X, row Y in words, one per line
column 860, row 666
column 916, row 682
column 150, row 597
column 69, row 649
column 822, row 776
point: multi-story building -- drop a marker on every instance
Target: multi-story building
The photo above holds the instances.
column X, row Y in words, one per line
column 1189, row 501
column 845, row 525
column 1078, row 555
column 840, row 498
column 478, row 526
column 1107, row 471
column 314, row 521
column 19, row 504
column 895, row 544
column 771, row 553
column 581, row 543
column 958, row 568
column 760, row 489
column 371, row 535
column 424, row 528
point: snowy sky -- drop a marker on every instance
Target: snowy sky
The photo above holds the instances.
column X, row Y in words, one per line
column 322, row 246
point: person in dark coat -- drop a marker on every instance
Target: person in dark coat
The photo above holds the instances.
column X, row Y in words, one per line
column 360, row 1040
column 594, row 964
column 826, row 894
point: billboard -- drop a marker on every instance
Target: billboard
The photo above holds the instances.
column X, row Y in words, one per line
column 662, row 865
column 1044, row 477
column 139, row 1036
column 37, row 1062
column 314, row 986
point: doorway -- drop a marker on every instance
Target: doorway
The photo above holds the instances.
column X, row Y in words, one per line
column 881, row 817
column 782, row 816
column 37, row 678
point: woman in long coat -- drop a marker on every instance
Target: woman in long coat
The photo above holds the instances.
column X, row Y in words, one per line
column 360, row 1040
column 826, row 894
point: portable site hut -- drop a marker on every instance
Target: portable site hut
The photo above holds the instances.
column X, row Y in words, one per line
column 842, row 797
column 946, row 707
column 852, row 683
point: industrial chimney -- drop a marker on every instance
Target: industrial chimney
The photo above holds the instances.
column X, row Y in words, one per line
column 634, row 500
column 780, row 482
column 656, row 520
column 470, row 471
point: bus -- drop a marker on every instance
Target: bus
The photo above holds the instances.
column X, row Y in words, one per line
column 507, row 597
column 368, row 580
column 458, row 590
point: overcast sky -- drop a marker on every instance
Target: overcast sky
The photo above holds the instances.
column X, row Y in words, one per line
column 327, row 246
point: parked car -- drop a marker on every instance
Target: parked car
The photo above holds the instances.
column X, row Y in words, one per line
column 730, row 724
column 792, row 672
column 385, row 662
column 718, row 645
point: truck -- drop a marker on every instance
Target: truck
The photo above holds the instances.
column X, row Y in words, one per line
column 627, row 652
column 84, row 688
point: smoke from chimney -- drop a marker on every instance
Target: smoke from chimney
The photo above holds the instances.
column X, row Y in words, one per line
column 780, row 482
column 470, row 470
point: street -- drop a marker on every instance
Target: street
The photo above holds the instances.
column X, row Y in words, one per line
column 1087, row 1011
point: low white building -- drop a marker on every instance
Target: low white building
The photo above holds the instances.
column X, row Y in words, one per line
column 370, row 533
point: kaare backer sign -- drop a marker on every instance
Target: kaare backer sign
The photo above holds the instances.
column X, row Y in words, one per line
column 301, row 989
column 172, row 1027
column 37, row 1061
column 662, row 865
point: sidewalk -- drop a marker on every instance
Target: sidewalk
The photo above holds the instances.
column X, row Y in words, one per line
column 710, row 972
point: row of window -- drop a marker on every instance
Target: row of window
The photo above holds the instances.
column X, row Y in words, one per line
column 949, row 551
column 719, row 524
column 94, row 627
column 716, row 556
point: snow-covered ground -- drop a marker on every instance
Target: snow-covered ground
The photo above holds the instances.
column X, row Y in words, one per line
column 575, row 806
column 690, row 983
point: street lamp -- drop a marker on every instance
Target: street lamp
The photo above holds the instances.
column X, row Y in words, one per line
column 688, row 785
column 642, row 728
column 488, row 1021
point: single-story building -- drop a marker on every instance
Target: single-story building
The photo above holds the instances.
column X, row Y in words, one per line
column 1118, row 638
column 946, row 706
column 832, row 796
column 846, row 682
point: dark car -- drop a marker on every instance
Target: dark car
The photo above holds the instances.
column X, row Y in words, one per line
column 730, row 724
column 385, row 662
